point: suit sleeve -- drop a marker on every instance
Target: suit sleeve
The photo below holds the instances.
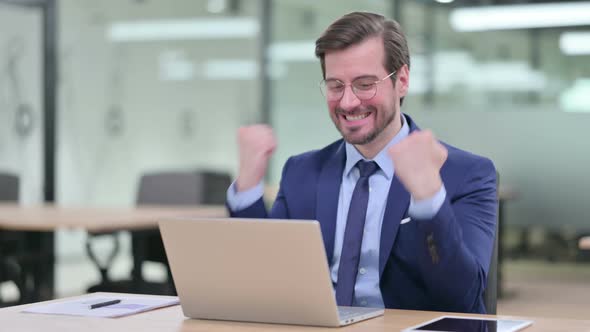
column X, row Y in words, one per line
column 458, row 241
column 258, row 210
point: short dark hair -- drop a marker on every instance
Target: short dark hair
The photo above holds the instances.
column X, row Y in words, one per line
column 356, row 27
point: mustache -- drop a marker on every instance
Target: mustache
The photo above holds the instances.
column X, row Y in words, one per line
column 356, row 110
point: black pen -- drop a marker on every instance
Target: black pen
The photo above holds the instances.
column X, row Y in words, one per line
column 104, row 304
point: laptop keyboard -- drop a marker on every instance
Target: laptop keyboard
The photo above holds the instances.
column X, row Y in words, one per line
column 349, row 312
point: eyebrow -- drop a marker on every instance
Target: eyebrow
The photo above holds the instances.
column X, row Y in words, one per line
column 331, row 79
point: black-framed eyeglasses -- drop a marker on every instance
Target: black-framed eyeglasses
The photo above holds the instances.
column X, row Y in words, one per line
column 364, row 88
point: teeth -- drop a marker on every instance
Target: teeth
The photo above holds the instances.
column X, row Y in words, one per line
column 356, row 117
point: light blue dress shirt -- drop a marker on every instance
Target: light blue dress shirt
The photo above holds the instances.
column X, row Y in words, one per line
column 366, row 292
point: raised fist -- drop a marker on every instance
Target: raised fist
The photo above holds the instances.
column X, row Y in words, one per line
column 256, row 144
column 417, row 161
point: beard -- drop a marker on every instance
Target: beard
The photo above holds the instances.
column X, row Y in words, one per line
column 380, row 124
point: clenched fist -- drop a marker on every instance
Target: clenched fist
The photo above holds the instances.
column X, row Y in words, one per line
column 417, row 161
column 256, row 144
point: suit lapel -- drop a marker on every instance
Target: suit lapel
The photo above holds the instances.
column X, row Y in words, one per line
column 398, row 202
column 328, row 193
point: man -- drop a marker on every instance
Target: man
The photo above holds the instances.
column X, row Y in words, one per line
column 408, row 222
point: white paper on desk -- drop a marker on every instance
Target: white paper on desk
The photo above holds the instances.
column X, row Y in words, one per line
column 129, row 305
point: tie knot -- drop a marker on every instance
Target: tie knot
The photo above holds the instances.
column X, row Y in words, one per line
column 367, row 168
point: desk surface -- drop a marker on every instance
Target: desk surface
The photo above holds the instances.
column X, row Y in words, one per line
column 172, row 319
column 95, row 219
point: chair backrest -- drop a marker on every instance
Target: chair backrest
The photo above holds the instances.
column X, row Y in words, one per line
column 491, row 292
column 9, row 191
column 9, row 187
column 175, row 188
column 183, row 188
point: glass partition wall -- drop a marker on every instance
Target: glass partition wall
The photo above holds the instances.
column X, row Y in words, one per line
column 516, row 94
column 150, row 86
column 21, row 98
column 21, row 113
column 146, row 86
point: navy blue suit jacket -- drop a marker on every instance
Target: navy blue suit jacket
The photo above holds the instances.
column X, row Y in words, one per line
column 434, row 264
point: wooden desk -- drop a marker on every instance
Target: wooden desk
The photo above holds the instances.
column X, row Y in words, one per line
column 93, row 219
column 172, row 319
column 41, row 221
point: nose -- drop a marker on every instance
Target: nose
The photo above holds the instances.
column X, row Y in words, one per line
column 349, row 100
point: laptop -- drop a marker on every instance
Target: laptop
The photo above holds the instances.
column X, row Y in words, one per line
column 270, row 271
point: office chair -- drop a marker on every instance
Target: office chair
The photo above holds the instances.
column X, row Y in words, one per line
column 9, row 187
column 170, row 188
column 10, row 242
column 490, row 294
column 159, row 188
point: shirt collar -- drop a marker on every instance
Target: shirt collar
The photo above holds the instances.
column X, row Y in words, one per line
column 382, row 158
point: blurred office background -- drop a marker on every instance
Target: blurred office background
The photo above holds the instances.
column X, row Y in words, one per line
column 145, row 85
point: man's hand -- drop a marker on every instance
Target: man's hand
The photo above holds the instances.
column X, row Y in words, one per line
column 256, row 144
column 417, row 161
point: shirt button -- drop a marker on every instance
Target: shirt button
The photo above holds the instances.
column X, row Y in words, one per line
column 362, row 270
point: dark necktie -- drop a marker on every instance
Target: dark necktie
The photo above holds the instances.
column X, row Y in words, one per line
column 353, row 235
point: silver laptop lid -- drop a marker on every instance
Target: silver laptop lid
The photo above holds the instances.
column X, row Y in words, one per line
column 271, row 271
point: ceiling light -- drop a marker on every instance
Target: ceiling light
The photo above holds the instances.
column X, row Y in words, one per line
column 520, row 16
column 200, row 28
column 293, row 51
column 575, row 43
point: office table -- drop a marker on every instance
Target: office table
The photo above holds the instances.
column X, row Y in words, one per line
column 50, row 217
column 40, row 222
column 172, row 319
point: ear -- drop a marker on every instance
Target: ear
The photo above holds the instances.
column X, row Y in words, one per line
column 402, row 83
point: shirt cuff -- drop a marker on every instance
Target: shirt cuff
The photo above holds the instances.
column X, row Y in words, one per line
column 427, row 208
column 240, row 200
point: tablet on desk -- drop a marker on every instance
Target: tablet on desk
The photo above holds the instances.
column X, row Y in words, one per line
column 469, row 324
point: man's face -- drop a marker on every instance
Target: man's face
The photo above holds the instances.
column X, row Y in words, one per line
column 363, row 121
